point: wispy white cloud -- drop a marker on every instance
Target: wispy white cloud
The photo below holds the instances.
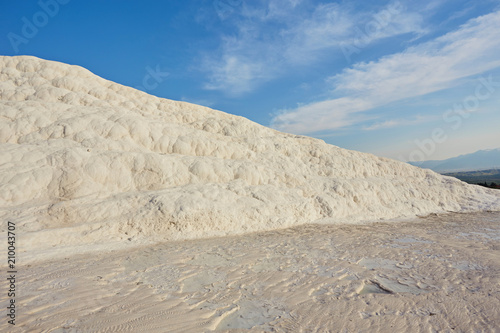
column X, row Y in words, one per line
column 392, row 20
column 460, row 13
column 432, row 66
column 270, row 40
column 384, row 125
column 335, row 113
column 236, row 74
column 419, row 119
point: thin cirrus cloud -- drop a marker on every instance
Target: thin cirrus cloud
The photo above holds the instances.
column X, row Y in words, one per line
column 419, row 119
column 268, row 42
column 429, row 67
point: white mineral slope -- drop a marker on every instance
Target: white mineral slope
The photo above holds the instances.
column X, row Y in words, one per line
column 86, row 161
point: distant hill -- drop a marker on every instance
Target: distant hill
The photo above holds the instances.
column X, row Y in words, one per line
column 480, row 160
column 488, row 178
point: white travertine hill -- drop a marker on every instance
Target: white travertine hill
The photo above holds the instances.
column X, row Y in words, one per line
column 85, row 161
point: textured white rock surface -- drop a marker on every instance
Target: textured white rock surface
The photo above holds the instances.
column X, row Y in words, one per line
column 89, row 161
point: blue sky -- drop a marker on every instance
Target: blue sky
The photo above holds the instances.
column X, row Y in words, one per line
column 402, row 79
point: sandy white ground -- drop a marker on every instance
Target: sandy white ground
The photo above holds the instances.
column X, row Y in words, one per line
column 435, row 274
column 87, row 163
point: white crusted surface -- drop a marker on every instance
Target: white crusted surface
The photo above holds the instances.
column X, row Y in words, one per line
column 88, row 161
